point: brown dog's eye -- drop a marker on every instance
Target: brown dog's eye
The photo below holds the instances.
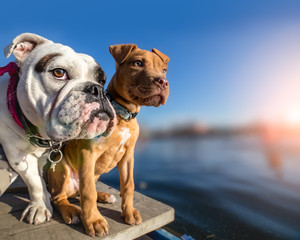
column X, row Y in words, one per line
column 59, row 73
column 138, row 63
column 164, row 71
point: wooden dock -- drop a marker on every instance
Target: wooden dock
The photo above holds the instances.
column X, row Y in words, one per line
column 12, row 203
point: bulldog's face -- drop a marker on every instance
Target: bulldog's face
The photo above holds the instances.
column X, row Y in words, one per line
column 61, row 91
column 144, row 73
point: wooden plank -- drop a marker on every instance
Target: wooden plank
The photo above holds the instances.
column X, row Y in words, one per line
column 155, row 215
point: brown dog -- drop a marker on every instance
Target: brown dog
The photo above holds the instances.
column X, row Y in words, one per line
column 140, row 79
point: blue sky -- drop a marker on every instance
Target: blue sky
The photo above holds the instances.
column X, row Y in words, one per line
column 232, row 62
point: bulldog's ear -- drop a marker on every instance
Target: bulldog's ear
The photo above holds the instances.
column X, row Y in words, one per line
column 163, row 57
column 23, row 44
column 121, row 52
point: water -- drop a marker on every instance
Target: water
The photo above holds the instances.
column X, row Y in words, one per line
column 227, row 187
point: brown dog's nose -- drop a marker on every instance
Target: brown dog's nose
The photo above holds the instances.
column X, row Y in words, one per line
column 161, row 82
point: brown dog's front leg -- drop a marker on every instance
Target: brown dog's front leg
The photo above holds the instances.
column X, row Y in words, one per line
column 57, row 186
column 93, row 222
column 132, row 216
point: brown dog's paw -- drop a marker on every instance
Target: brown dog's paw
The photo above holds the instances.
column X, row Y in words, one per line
column 105, row 197
column 71, row 214
column 97, row 228
column 132, row 217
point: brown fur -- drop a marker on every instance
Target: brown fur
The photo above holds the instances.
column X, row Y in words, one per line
column 132, row 86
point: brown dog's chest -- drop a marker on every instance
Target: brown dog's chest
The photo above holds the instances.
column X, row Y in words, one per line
column 115, row 147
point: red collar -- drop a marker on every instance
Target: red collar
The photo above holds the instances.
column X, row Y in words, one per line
column 11, row 95
column 15, row 111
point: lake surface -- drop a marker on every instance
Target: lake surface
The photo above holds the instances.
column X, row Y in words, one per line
column 225, row 187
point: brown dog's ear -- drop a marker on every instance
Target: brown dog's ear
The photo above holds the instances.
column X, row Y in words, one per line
column 23, row 44
column 121, row 52
column 163, row 57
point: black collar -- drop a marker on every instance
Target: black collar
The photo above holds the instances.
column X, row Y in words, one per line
column 32, row 132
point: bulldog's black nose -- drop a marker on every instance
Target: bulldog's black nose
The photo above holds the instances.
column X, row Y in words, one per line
column 95, row 90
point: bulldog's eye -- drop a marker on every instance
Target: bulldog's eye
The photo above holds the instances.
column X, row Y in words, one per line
column 59, row 73
column 138, row 63
column 164, row 71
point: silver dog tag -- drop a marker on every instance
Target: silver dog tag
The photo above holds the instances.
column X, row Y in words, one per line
column 53, row 166
column 53, row 163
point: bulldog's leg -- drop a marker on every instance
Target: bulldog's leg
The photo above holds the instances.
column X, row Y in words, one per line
column 39, row 209
column 93, row 222
column 58, row 182
column 132, row 216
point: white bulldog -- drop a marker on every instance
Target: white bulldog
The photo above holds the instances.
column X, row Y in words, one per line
column 60, row 97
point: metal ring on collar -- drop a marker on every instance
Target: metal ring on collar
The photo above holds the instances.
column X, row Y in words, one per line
column 57, row 151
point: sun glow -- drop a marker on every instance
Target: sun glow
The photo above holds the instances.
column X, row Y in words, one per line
column 293, row 116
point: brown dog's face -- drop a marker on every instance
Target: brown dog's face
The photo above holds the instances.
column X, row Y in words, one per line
column 141, row 74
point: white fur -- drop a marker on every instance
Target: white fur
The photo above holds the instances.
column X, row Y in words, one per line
column 125, row 134
column 40, row 97
column 75, row 220
column 49, row 94
column 73, row 185
column 111, row 199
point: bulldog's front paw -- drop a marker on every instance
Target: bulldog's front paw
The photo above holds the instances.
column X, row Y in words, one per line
column 97, row 227
column 132, row 217
column 37, row 212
